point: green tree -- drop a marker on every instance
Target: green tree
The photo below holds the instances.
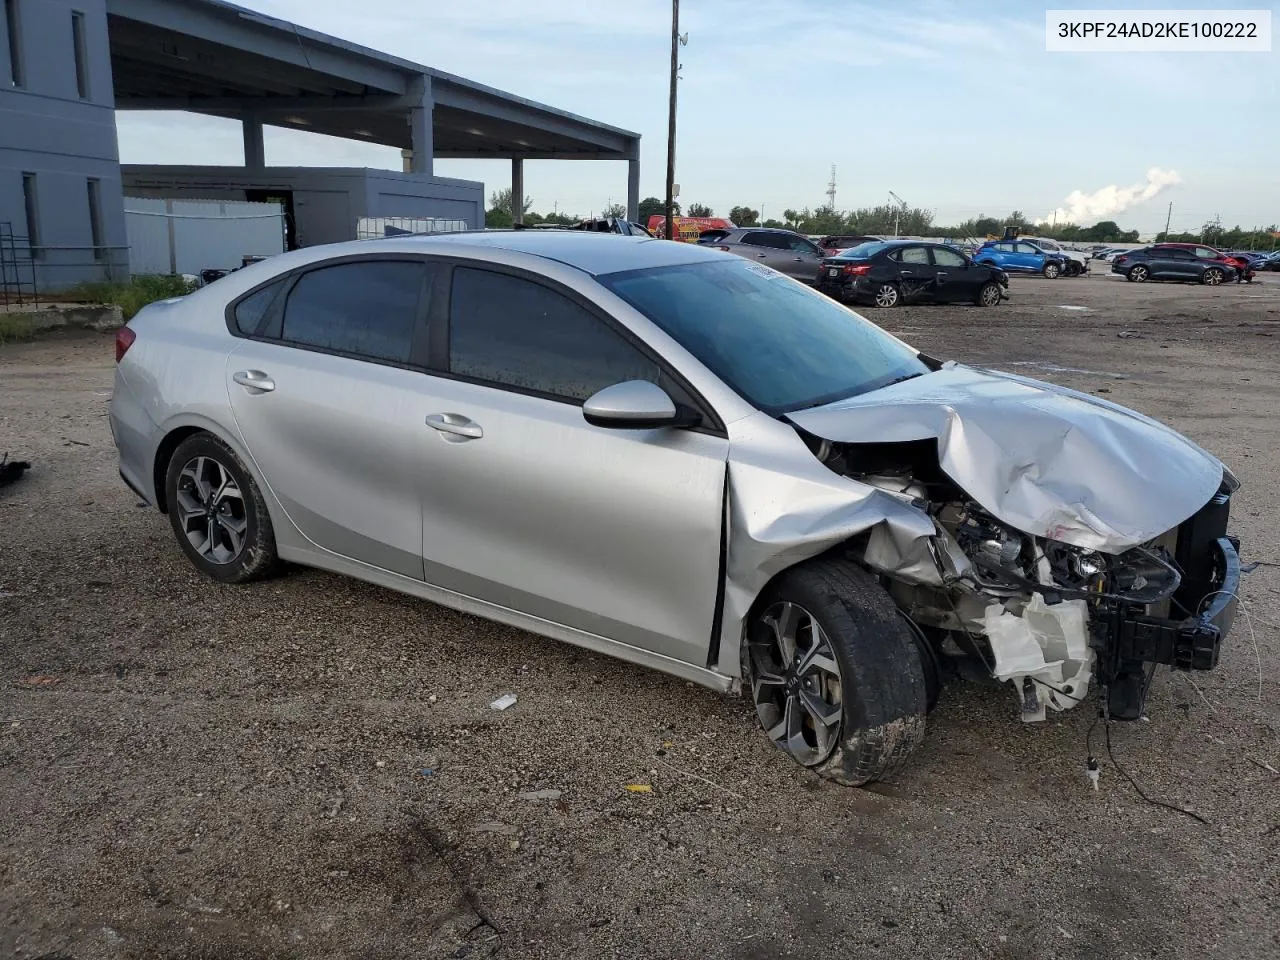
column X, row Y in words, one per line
column 699, row 210
column 776, row 224
column 652, row 206
column 615, row 210
column 745, row 216
column 501, row 201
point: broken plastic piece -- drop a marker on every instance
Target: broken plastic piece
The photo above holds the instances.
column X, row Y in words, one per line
column 1047, row 644
column 1093, row 772
column 638, row 788
column 504, row 701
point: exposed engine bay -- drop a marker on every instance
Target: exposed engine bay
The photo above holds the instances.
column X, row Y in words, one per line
column 1049, row 618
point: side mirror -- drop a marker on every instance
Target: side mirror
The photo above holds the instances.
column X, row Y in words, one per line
column 635, row 405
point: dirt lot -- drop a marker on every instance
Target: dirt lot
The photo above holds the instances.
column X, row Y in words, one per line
column 309, row 767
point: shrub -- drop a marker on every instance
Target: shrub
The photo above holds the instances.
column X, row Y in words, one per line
column 133, row 296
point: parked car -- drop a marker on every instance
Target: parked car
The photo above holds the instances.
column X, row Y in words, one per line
column 1169, row 262
column 835, row 245
column 1243, row 269
column 1021, row 256
column 1076, row 263
column 784, row 250
column 1271, row 262
column 681, row 459
column 887, row 273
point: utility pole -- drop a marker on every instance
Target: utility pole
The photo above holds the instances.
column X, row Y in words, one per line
column 671, row 118
column 831, row 190
column 1168, row 219
column 899, row 206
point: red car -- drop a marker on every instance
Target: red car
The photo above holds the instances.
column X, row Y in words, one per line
column 1243, row 267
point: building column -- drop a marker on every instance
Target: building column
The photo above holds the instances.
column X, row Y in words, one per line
column 633, row 189
column 255, row 154
column 517, row 190
column 420, row 120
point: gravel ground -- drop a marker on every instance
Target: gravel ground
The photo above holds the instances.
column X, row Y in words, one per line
column 309, row 767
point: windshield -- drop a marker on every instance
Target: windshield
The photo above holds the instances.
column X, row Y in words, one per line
column 863, row 250
column 778, row 344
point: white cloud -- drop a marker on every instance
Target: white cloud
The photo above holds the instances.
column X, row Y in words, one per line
column 1084, row 208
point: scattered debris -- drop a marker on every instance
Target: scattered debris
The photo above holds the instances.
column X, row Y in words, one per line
column 549, row 794
column 74, row 443
column 41, row 681
column 504, row 701
column 427, row 772
column 11, row 470
column 1129, row 335
column 514, row 844
column 710, row 783
column 1264, row 765
column 505, row 829
column 638, row 788
column 598, row 922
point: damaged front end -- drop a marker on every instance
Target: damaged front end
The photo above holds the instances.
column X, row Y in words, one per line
column 1073, row 541
column 1045, row 616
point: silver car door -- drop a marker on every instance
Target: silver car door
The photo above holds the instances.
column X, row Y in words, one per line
column 329, row 410
column 803, row 259
column 614, row 532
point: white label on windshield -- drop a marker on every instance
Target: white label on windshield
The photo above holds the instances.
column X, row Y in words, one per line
column 761, row 270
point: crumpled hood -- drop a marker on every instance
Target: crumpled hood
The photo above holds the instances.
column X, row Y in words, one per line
column 1048, row 461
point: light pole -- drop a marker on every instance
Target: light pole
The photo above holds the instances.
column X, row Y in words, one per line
column 676, row 42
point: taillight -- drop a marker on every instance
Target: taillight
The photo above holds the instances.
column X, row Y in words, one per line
column 124, row 340
column 858, row 271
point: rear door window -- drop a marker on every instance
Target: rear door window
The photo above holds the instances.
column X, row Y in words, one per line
column 366, row 308
column 947, row 258
column 916, row 255
column 513, row 332
column 251, row 312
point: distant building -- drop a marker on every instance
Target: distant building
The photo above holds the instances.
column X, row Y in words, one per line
column 67, row 65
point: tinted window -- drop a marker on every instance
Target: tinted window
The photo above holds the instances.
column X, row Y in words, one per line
column 915, row 255
column 507, row 330
column 1025, row 248
column 863, row 250
column 1005, row 247
column 367, row 308
column 252, row 309
column 801, row 245
column 1207, row 253
column 775, row 241
column 947, row 258
column 780, row 345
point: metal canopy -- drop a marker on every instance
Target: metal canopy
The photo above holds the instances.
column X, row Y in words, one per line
column 218, row 59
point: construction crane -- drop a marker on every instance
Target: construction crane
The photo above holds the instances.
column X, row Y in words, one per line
column 831, row 190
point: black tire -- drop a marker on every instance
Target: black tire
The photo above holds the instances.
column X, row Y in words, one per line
column 989, row 295
column 887, row 295
column 256, row 556
column 1138, row 274
column 1212, row 277
column 883, row 691
column 1072, row 269
column 1051, row 271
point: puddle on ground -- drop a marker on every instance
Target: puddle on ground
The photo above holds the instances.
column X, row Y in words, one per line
column 1054, row 368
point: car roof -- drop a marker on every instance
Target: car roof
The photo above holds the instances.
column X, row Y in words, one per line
column 591, row 252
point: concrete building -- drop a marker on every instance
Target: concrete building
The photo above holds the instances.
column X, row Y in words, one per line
column 60, row 189
column 71, row 63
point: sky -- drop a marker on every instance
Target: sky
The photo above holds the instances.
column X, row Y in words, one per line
column 955, row 107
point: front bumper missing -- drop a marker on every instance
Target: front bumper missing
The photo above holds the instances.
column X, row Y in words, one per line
column 1193, row 643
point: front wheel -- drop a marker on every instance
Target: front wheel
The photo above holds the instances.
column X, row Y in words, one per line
column 1212, row 277
column 989, row 295
column 887, row 295
column 1051, row 271
column 1139, row 274
column 835, row 673
column 218, row 513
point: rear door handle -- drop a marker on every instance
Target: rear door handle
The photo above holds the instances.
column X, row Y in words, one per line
column 255, row 380
column 905, row 273
column 455, row 425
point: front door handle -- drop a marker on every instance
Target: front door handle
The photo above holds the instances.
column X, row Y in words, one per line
column 905, row 273
column 799, row 259
column 457, row 427
column 761, row 256
column 254, row 380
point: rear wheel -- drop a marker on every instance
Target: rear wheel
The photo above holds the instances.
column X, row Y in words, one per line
column 1138, row 274
column 218, row 513
column 835, row 673
column 887, row 295
column 989, row 295
column 1212, row 276
column 1051, row 271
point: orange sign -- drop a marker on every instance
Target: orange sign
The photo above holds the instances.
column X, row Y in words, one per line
column 688, row 229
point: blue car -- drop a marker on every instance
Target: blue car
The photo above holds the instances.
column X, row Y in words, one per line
column 1021, row 256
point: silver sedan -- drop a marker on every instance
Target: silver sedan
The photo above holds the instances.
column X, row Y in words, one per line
column 683, row 459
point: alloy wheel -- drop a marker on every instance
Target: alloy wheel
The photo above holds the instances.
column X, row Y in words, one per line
column 990, row 295
column 795, row 682
column 1213, row 277
column 887, row 295
column 1052, row 271
column 1138, row 274
column 211, row 509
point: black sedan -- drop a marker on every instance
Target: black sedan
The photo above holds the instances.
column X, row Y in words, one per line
column 891, row 272
column 1171, row 263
